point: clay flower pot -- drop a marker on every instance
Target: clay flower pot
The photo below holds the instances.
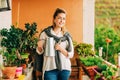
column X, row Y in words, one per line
column 9, row 72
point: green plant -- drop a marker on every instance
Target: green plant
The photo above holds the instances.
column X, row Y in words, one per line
column 10, row 57
column 11, row 38
column 84, row 49
column 107, row 25
column 29, row 38
column 101, row 33
column 19, row 40
column 90, row 60
column 108, row 72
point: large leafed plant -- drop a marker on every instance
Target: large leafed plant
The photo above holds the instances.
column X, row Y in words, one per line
column 101, row 33
column 19, row 40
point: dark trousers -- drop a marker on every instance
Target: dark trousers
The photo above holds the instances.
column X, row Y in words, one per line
column 34, row 77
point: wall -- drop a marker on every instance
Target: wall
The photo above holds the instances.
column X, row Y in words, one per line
column 41, row 12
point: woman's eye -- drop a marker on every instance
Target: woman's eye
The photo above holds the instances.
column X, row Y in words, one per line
column 59, row 18
column 64, row 18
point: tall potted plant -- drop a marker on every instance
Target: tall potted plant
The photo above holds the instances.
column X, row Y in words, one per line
column 19, row 43
column 86, row 59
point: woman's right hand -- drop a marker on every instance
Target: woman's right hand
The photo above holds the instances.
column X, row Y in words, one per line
column 40, row 46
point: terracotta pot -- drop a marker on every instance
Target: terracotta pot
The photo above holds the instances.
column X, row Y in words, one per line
column 9, row 72
column 88, row 70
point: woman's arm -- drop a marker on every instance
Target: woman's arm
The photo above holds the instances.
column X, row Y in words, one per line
column 41, row 43
column 64, row 51
column 40, row 47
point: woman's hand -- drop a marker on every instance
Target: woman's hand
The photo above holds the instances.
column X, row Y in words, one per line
column 62, row 50
column 40, row 46
column 58, row 47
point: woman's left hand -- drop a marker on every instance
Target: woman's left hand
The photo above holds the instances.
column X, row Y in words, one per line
column 58, row 47
column 62, row 50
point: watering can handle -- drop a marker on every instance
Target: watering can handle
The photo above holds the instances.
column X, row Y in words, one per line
column 59, row 41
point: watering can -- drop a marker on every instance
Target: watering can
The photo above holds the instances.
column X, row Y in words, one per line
column 49, row 49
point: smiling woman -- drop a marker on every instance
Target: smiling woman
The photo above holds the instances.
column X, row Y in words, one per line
column 4, row 5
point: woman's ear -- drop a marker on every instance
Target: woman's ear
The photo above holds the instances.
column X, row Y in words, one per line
column 54, row 23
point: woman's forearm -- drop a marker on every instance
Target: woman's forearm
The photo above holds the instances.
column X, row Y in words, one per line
column 64, row 52
column 40, row 47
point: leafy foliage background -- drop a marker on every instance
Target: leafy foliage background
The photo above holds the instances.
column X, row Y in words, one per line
column 107, row 25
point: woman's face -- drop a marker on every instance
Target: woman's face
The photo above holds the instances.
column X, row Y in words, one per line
column 60, row 20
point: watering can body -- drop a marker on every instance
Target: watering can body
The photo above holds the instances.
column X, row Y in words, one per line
column 49, row 47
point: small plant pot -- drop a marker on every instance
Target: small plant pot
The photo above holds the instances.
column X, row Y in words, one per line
column 19, row 71
column 9, row 73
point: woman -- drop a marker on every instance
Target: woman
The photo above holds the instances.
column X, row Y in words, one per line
column 57, row 67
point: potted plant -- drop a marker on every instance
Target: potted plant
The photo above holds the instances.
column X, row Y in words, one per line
column 86, row 58
column 19, row 43
column 90, row 61
column 10, row 67
column 23, row 41
column 84, row 49
column 107, row 72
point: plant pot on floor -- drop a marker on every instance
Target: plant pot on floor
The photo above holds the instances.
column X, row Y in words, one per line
column 9, row 72
column 19, row 71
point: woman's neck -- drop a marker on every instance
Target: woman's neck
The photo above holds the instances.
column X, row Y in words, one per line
column 57, row 30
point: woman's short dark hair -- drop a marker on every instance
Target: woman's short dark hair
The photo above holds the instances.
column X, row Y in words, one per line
column 58, row 10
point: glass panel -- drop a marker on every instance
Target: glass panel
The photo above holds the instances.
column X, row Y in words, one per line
column 4, row 5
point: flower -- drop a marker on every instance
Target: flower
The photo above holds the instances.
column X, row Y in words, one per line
column 108, row 40
column 24, row 66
